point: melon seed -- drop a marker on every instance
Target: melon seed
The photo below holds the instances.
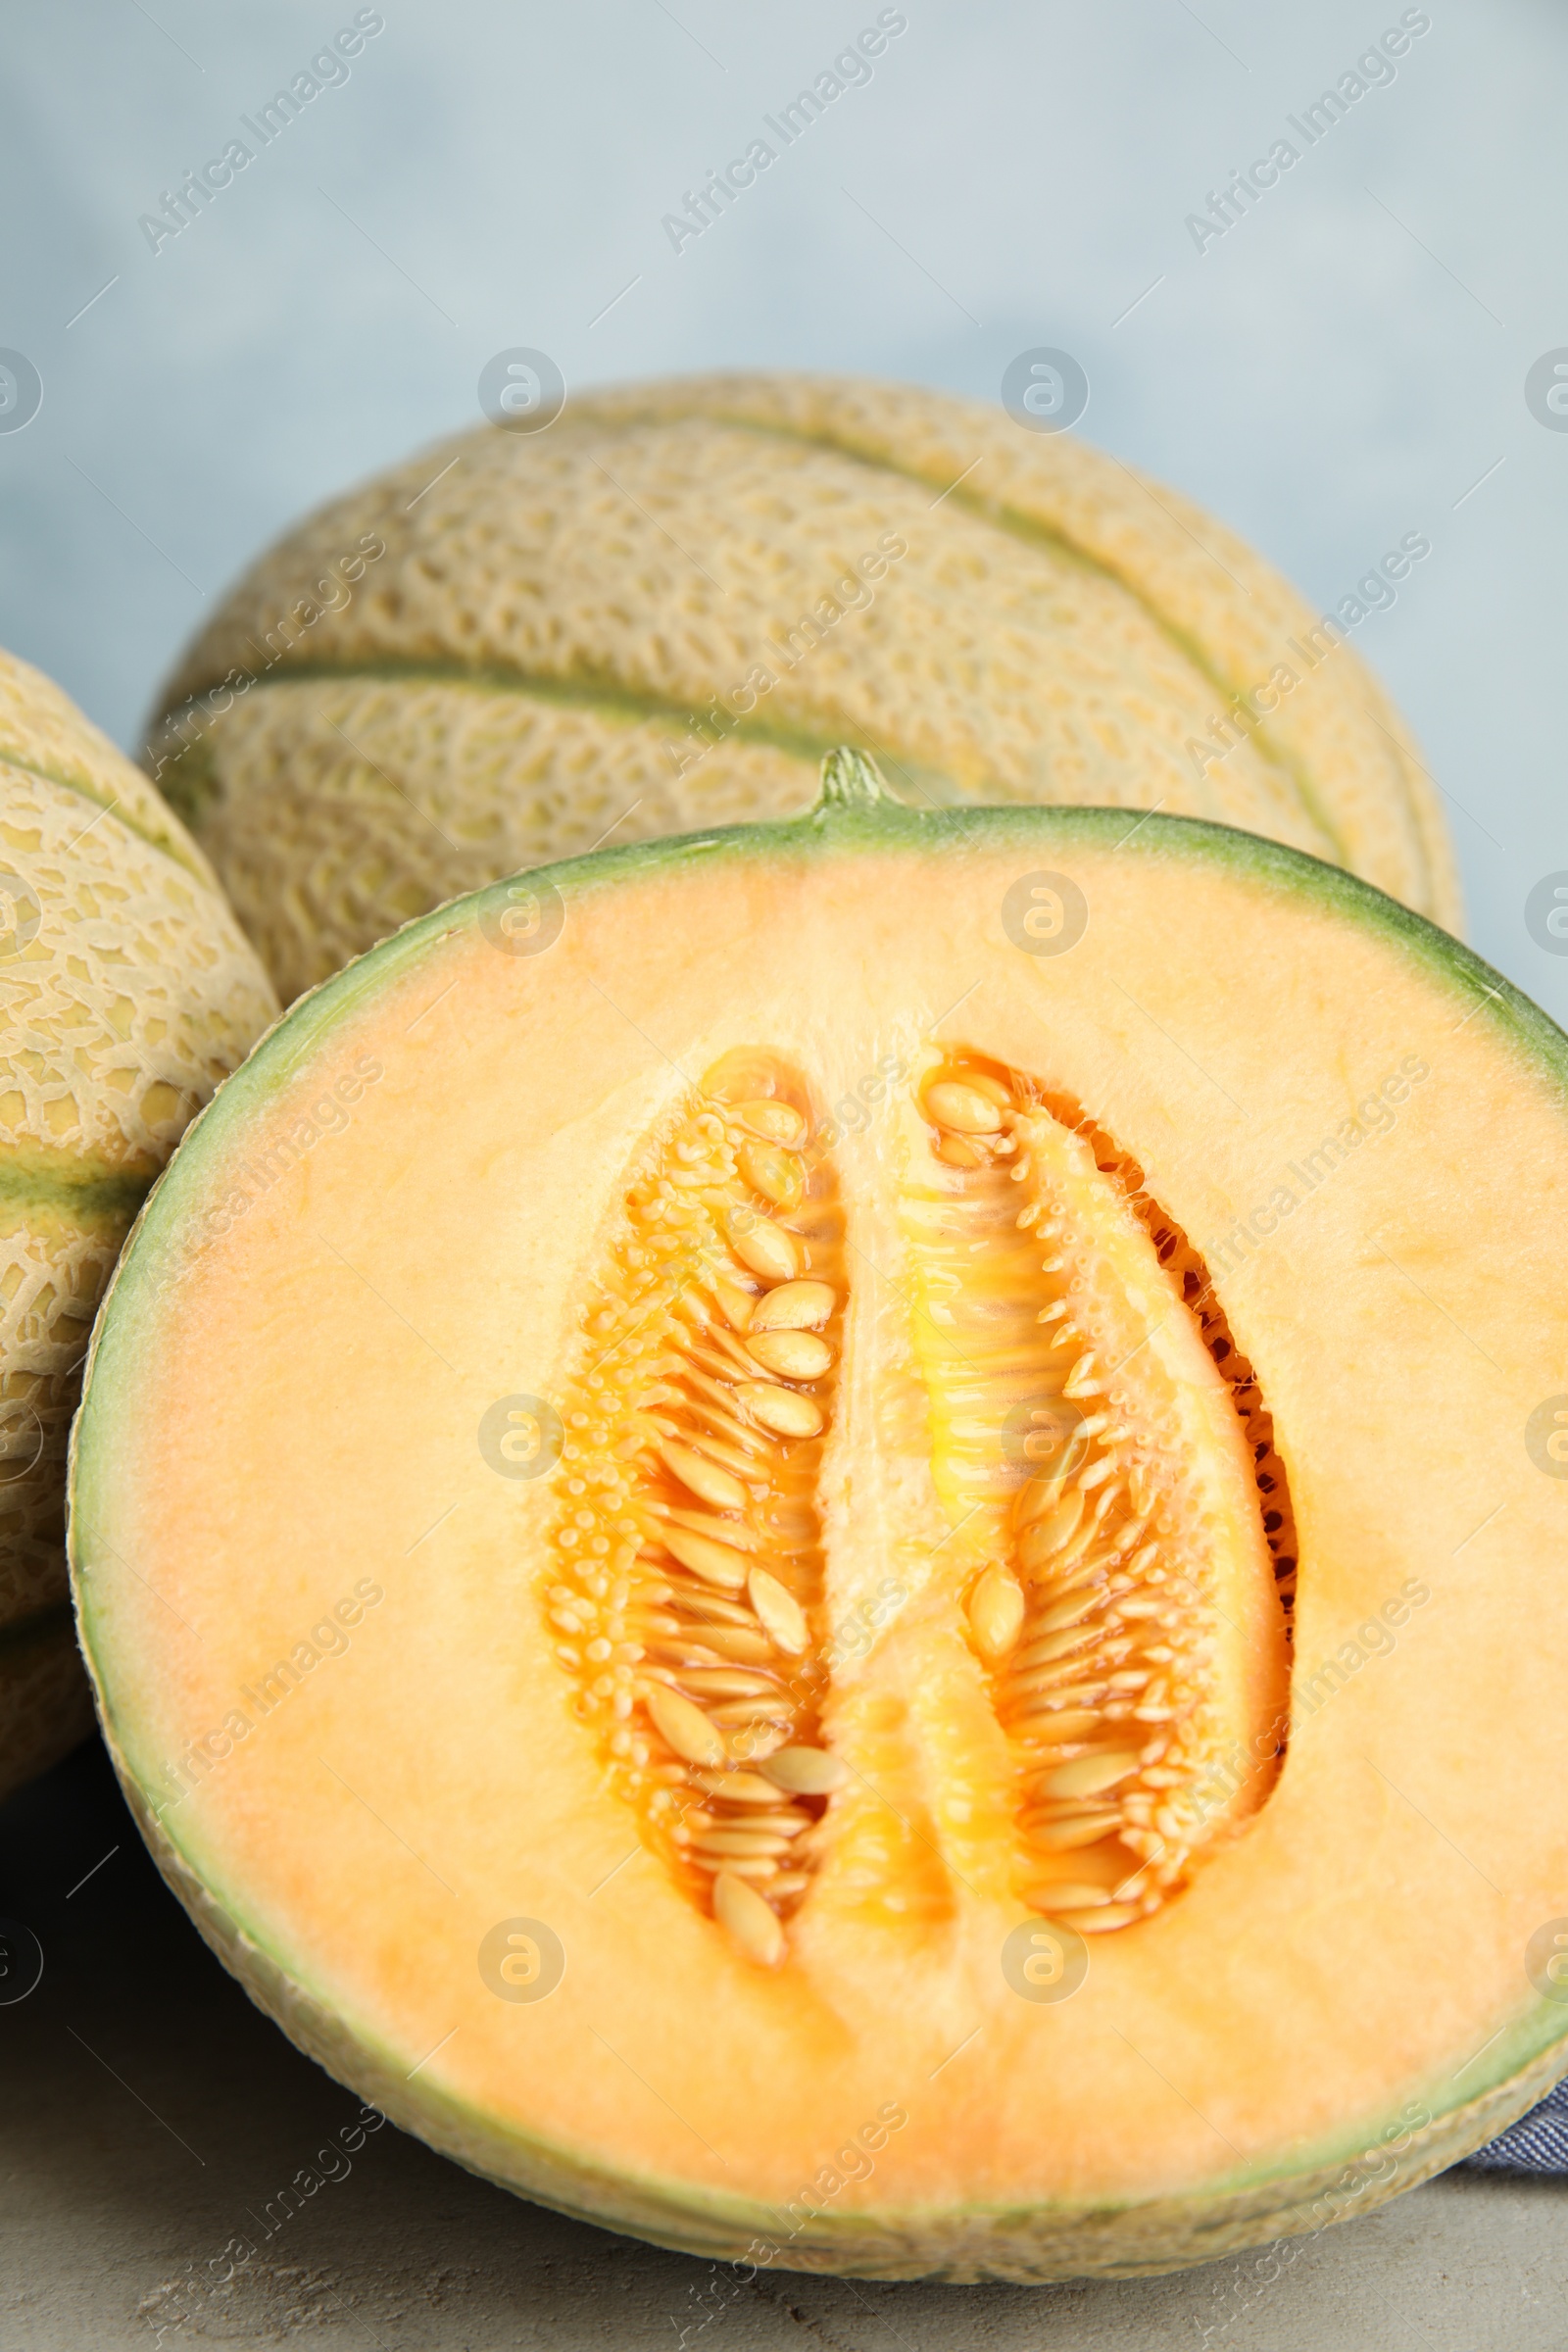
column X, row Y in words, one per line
column 762, row 1867
column 1067, row 1612
column 726, row 1682
column 715, row 1563
column 1065, row 1897
column 766, row 1248
column 1040, row 1544
column 753, row 1923
column 996, row 1613
column 964, row 1109
column 1043, row 1503
column 785, row 1411
column 1062, row 1729
column 764, row 1839
column 741, row 1788
column 793, row 1306
column 791, row 1354
column 684, row 1727
column 756, row 1711
column 706, row 1480
column 1087, row 1831
column 737, row 1304
column 779, row 1610
column 777, row 1175
column 805, row 1771
column 1100, row 1923
column 1061, row 1644
column 712, row 1609
column 740, row 1645
column 775, row 1122
column 1086, row 1776
column 724, row 1531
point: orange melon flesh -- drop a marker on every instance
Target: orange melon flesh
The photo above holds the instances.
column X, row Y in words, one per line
column 396, row 1219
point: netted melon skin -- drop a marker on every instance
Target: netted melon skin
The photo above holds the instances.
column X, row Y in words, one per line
column 128, row 993
column 45, row 1702
column 514, row 645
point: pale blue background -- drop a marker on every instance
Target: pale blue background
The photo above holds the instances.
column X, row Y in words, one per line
column 1326, row 377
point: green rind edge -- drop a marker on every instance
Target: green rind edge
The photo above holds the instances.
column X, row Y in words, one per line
column 1037, row 2243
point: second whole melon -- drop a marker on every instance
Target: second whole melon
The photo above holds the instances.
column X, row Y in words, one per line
column 658, row 614
column 128, row 995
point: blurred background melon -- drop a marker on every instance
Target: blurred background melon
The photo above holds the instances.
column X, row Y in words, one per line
column 128, row 993
column 658, row 610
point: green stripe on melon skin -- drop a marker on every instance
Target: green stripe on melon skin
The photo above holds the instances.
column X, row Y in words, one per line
column 76, row 1190
column 1029, row 532
column 1025, row 530
column 187, row 779
column 615, row 409
column 180, row 852
column 580, row 690
column 1241, row 2210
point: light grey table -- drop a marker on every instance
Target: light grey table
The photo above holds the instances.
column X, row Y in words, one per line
column 148, row 2114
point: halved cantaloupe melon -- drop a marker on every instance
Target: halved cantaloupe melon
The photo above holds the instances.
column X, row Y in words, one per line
column 659, row 613
column 833, row 1541
column 127, row 993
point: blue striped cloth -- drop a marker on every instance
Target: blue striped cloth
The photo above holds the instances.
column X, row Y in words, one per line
column 1536, row 2144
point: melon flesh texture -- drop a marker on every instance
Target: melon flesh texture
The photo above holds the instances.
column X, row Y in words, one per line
column 765, row 1698
column 659, row 615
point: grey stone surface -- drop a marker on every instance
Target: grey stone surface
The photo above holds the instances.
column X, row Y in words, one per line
column 150, row 2116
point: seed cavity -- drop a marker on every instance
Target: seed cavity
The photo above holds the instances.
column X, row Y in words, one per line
column 1119, row 1525
column 1121, row 1544
column 687, row 1563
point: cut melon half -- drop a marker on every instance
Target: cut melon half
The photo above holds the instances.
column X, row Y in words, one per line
column 841, row 1541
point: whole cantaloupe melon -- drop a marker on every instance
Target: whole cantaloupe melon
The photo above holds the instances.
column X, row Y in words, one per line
column 836, row 1539
column 659, row 612
column 128, row 993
